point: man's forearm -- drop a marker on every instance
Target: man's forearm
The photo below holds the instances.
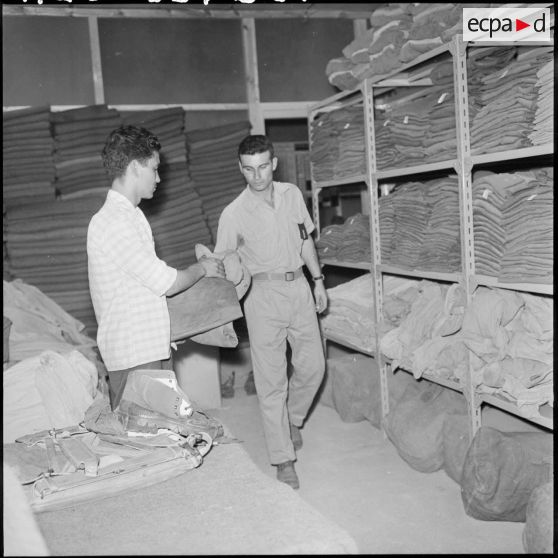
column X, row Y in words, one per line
column 185, row 278
column 310, row 257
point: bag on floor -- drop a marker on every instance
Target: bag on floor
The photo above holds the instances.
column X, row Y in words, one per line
column 501, row 470
column 415, row 424
column 456, row 440
column 354, row 388
column 538, row 534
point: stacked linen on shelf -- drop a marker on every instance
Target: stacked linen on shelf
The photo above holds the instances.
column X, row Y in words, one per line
column 441, row 248
column 175, row 212
column 28, row 171
column 510, row 338
column 411, row 219
column 47, row 248
column 440, row 141
column 419, row 127
column 480, row 63
column 528, row 221
column 489, row 197
column 80, row 136
column 338, row 147
column 330, row 239
column 509, row 99
column 349, row 242
column 544, row 122
column 213, row 165
column 350, row 314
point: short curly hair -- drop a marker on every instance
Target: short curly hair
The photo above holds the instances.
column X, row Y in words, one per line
column 253, row 144
column 127, row 144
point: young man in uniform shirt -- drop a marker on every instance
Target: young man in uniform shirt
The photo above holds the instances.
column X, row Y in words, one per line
column 128, row 282
column 269, row 225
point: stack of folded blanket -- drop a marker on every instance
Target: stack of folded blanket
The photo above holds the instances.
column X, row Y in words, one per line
column 213, row 165
column 28, row 171
column 79, row 136
column 175, row 212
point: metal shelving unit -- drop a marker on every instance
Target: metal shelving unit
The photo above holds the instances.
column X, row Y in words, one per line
column 462, row 165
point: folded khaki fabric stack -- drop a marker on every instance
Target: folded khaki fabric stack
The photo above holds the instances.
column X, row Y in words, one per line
column 213, row 165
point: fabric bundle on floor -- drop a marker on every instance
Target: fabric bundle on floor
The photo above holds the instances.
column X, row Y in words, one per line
column 349, row 242
column 508, row 98
column 47, row 246
column 175, row 212
column 28, row 171
column 415, row 424
column 338, row 147
column 501, row 470
column 538, row 534
column 213, row 166
column 80, row 135
column 352, row 388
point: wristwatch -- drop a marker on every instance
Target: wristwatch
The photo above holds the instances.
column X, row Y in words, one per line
column 318, row 278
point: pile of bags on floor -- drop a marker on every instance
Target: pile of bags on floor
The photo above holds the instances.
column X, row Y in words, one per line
column 504, row 476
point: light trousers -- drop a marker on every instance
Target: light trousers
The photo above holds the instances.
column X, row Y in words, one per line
column 278, row 311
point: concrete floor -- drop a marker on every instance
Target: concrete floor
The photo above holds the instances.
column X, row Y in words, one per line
column 354, row 476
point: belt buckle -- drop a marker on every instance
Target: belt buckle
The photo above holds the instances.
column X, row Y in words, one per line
column 289, row 276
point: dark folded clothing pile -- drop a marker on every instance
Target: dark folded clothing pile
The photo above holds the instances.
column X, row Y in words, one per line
column 47, row 246
column 213, row 165
column 513, row 225
column 28, row 171
column 419, row 226
column 338, row 146
column 419, row 127
column 349, row 242
column 175, row 212
column 508, row 101
column 80, row 135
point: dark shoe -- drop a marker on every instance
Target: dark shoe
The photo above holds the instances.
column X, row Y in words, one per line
column 227, row 387
column 296, row 437
column 249, row 385
column 286, row 473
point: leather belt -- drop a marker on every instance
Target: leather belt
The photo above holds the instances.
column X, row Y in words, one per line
column 287, row 276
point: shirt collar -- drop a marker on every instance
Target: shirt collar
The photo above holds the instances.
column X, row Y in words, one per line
column 116, row 198
column 252, row 202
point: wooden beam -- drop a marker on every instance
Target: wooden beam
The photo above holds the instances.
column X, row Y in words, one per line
column 251, row 73
column 236, row 11
column 99, row 90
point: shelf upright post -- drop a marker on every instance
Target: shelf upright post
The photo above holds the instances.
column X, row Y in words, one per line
column 375, row 247
column 463, row 168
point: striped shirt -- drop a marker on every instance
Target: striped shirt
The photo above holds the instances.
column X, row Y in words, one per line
column 128, row 283
column 268, row 238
